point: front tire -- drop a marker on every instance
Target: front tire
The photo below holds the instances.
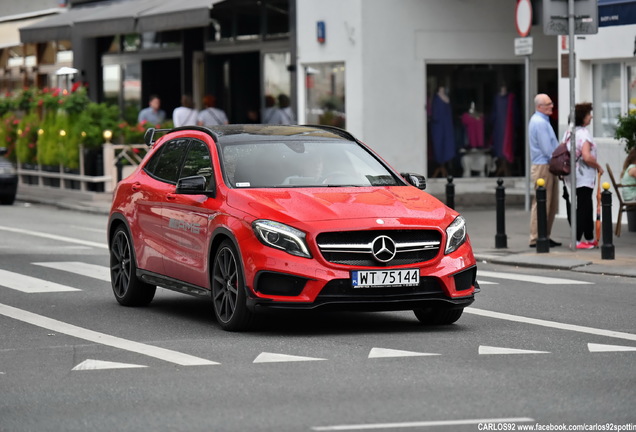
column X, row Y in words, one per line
column 228, row 289
column 438, row 316
column 129, row 290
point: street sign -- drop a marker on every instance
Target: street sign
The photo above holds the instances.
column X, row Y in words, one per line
column 555, row 17
column 523, row 17
column 523, row 46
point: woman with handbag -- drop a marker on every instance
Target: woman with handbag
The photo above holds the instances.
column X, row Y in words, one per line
column 587, row 168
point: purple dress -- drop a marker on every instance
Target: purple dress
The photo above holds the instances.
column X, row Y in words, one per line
column 442, row 131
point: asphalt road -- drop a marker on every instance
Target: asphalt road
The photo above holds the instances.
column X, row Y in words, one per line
column 538, row 347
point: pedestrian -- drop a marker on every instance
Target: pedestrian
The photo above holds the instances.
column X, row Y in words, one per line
column 587, row 169
column 543, row 141
column 284, row 114
column 270, row 109
column 152, row 113
column 185, row 115
column 211, row 115
column 628, row 179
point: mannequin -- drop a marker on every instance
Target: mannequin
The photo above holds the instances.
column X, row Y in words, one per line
column 473, row 121
column 503, row 137
column 442, row 132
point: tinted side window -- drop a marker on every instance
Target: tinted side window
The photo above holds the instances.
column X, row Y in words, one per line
column 197, row 161
column 166, row 167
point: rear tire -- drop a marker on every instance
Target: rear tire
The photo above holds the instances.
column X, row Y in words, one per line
column 438, row 316
column 228, row 289
column 129, row 290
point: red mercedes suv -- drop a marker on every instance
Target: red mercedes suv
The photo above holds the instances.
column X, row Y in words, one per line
column 270, row 216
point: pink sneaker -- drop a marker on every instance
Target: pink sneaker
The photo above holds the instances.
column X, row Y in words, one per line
column 584, row 245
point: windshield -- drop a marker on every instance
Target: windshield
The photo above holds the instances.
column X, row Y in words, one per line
column 302, row 164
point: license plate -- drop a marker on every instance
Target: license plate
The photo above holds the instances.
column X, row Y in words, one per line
column 385, row 278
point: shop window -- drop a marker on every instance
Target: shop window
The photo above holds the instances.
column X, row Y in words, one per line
column 249, row 19
column 325, row 93
column 277, row 79
column 112, row 82
column 631, row 87
column 476, row 125
column 607, row 98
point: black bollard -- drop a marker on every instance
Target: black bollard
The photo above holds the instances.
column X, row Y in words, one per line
column 607, row 248
column 120, row 170
column 543, row 243
column 450, row 192
column 501, row 240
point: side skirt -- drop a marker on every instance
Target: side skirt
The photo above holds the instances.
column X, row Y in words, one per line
column 172, row 284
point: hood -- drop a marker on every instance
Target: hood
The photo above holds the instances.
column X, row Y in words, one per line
column 323, row 204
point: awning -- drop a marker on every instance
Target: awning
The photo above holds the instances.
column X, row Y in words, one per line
column 57, row 27
column 116, row 18
column 616, row 12
column 120, row 17
column 173, row 15
column 10, row 33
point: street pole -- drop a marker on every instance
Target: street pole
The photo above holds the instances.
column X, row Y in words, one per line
column 571, row 123
column 527, row 138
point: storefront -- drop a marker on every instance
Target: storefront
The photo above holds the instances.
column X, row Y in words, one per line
column 128, row 50
column 378, row 67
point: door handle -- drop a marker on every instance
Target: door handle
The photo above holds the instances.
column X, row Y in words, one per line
column 136, row 186
column 171, row 197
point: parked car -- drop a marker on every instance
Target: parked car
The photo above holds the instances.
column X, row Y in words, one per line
column 8, row 179
column 298, row 217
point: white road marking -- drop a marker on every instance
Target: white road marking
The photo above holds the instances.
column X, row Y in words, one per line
column 484, row 349
column 102, row 338
column 386, row 353
column 552, row 324
column 95, row 230
column 55, row 237
column 100, row 364
column 483, row 282
column 530, row 278
column 80, row 268
column 421, row 424
column 29, row 284
column 273, row 358
column 608, row 348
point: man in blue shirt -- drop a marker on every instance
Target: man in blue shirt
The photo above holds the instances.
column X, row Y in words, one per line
column 543, row 141
column 152, row 114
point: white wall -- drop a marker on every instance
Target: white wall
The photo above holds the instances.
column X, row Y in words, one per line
column 386, row 45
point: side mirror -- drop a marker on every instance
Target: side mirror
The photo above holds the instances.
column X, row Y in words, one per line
column 194, row 185
column 3, row 151
column 417, row 180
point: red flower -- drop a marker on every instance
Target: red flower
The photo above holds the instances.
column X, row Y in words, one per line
column 76, row 85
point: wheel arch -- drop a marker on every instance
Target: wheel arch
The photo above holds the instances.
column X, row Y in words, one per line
column 116, row 220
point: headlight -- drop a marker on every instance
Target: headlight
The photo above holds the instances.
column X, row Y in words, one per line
column 281, row 236
column 455, row 235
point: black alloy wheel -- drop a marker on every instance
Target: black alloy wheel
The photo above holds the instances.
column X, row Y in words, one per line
column 129, row 290
column 228, row 289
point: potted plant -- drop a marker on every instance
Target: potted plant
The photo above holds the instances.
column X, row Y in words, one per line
column 626, row 132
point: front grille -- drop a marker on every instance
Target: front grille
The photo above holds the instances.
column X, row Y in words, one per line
column 342, row 288
column 356, row 248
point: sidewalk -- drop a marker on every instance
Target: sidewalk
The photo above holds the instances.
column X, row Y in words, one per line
column 481, row 229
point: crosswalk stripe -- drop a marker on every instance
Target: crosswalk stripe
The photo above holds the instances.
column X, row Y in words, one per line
column 29, row 284
column 55, row 237
column 80, row 268
column 531, row 278
column 609, row 348
column 103, row 338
